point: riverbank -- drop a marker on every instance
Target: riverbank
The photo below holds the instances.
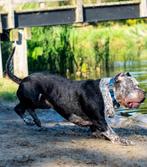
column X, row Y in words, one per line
column 62, row 144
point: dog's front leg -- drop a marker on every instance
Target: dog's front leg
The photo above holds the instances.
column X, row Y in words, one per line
column 114, row 138
column 34, row 116
column 20, row 110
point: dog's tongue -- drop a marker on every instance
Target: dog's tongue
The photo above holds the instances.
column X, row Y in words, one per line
column 133, row 105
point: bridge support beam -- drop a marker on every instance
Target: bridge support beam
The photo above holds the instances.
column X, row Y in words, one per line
column 1, row 66
column 20, row 56
column 143, row 8
column 79, row 12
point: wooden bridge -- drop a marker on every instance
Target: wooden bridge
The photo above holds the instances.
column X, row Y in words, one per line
column 11, row 17
column 79, row 12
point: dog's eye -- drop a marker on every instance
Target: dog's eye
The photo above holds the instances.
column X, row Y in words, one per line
column 128, row 74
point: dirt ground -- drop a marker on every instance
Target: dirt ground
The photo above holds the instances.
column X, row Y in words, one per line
column 62, row 144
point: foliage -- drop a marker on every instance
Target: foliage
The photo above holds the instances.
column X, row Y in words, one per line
column 6, row 48
column 7, row 90
column 64, row 48
column 69, row 50
column 50, row 49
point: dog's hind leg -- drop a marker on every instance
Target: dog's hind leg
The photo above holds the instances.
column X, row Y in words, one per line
column 34, row 116
column 20, row 110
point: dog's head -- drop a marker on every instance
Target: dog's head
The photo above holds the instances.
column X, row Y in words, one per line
column 127, row 91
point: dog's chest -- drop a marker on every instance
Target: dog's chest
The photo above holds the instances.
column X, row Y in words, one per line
column 104, row 87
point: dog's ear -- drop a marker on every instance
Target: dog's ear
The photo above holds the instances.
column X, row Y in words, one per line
column 128, row 74
column 119, row 77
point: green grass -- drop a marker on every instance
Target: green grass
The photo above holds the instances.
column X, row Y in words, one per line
column 7, row 90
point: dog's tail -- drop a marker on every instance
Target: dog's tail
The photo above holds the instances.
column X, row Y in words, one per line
column 9, row 68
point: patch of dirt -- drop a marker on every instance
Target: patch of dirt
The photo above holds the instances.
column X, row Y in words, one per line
column 62, row 144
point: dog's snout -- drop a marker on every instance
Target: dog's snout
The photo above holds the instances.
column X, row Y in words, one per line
column 143, row 95
column 141, row 92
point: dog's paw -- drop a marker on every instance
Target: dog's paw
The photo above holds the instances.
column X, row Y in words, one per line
column 126, row 142
column 123, row 141
column 97, row 134
column 29, row 122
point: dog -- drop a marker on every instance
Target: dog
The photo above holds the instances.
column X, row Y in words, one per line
column 84, row 102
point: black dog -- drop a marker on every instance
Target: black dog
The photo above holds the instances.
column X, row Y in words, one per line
column 80, row 102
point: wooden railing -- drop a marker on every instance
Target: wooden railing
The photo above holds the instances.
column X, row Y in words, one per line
column 17, row 4
column 79, row 12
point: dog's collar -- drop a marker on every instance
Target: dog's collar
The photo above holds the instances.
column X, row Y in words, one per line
column 111, row 91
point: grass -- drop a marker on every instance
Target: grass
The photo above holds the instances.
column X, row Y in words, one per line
column 7, row 90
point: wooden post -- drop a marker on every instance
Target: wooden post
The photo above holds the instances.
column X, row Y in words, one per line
column 1, row 65
column 11, row 17
column 98, row 1
column 42, row 5
column 143, row 8
column 79, row 11
column 1, row 27
column 20, row 56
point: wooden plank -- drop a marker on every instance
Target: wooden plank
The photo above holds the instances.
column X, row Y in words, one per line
column 52, row 17
column 11, row 19
column 1, row 65
column 3, row 2
column 143, row 8
column 37, row 1
column 62, row 15
column 14, row 35
column 20, row 56
column 112, row 12
column 1, row 29
column 27, row 33
column 79, row 11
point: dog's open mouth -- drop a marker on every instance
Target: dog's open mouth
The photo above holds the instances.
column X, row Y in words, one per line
column 133, row 104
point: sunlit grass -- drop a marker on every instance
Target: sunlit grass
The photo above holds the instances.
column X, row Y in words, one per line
column 7, row 90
